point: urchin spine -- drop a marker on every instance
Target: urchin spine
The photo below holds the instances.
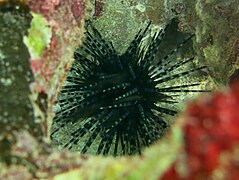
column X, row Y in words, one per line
column 118, row 97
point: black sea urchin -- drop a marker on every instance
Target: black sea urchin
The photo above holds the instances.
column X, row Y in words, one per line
column 119, row 101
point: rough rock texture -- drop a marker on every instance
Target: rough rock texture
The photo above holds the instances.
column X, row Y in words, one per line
column 16, row 111
column 32, row 163
column 24, row 156
column 216, row 25
column 202, row 144
column 65, row 19
column 26, row 121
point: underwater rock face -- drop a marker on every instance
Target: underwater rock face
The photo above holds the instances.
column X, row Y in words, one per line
column 65, row 20
column 16, row 111
column 25, row 96
column 15, row 73
column 216, row 25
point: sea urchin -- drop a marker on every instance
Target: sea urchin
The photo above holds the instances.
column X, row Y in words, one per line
column 119, row 101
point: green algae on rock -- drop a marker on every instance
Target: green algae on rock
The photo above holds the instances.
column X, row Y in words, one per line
column 39, row 36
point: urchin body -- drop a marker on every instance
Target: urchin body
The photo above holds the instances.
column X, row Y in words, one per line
column 119, row 98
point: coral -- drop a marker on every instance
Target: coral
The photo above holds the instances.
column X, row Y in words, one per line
column 67, row 164
column 192, row 149
column 16, row 112
column 211, row 137
column 61, row 25
column 49, row 61
column 24, row 154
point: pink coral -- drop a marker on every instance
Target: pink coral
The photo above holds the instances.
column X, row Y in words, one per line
column 66, row 21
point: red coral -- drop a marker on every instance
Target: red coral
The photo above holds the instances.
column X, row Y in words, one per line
column 211, row 128
column 171, row 173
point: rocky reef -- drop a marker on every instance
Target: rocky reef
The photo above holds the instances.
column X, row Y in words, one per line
column 37, row 40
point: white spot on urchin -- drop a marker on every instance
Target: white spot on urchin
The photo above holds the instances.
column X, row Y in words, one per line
column 6, row 81
column 2, row 56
